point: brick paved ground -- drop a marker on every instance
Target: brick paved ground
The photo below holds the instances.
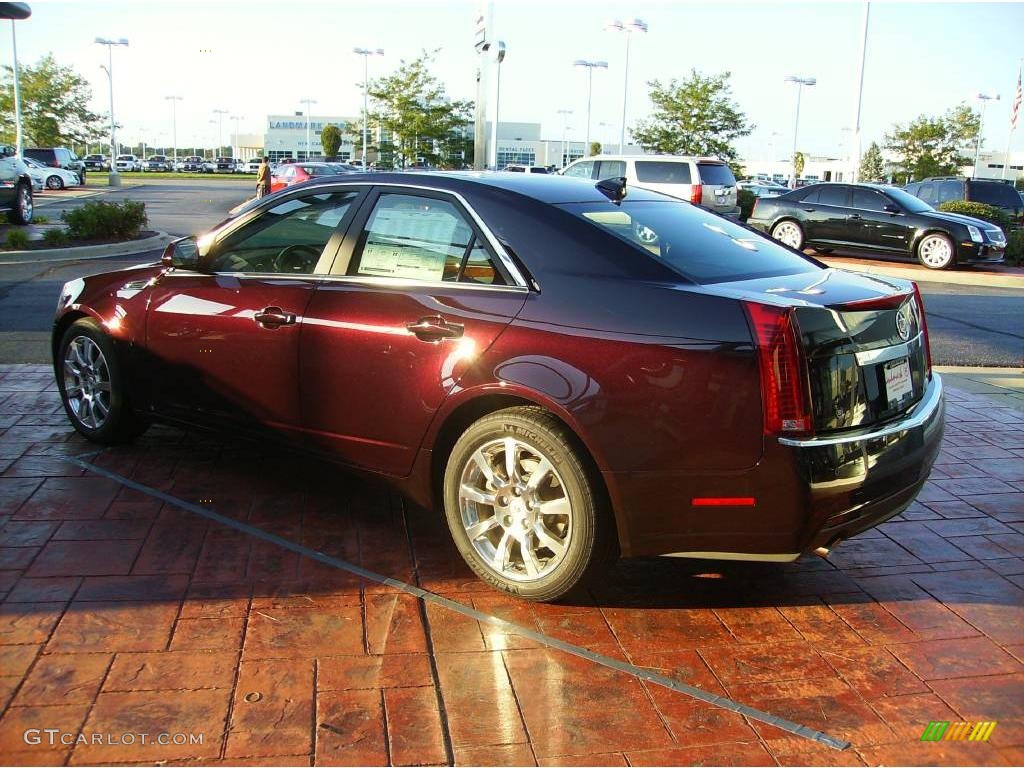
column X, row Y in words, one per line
column 124, row 614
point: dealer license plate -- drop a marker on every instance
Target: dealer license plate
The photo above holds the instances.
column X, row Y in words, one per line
column 898, row 385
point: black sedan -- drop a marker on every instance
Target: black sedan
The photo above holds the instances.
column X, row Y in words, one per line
column 877, row 218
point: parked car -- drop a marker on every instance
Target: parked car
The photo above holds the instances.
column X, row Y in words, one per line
column 877, row 218
column 192, row 164
column 96, row 163
column 296, row 173
column 526, row 169
column 51, row 178
column 704, row 181
column 763, row 188
column 209, row 165
column 565, row 371
column 15, row 186
column 253, row 166
column 224, row 165
column 158, row 163
column 58, row 157
column 128, row 163
column 939, row 189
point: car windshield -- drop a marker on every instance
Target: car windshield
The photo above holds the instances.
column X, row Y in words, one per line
column 994, row 193
column 716, row 173
column 125, row 157
column 696, row 243
column 907, row 200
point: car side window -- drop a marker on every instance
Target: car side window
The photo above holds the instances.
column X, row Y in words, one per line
column 812, row 197
column 868, row 199
column 584, row 170
column 834, row 195
column 608, row 169
column 928, row 193
column 950, row 190
column 286, row 239
column 422, row 238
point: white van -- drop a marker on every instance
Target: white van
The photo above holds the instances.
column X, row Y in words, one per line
column 704, row 181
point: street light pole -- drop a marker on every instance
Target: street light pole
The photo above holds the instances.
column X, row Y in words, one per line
column 591, row 66
column 174, row 125
column 499, row 56
column 220, row 134
column 984, row 98
column 637, row 25
column 860, row 94
column 565, row 126
column 800, row 83
column 235, row 119
column 308, row 102
column 114, row 178
column 16, row 11
column 366, row 53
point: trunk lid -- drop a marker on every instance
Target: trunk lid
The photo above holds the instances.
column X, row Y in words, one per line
column 862, row 339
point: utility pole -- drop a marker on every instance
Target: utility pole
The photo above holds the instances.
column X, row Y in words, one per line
column 174, row 125
column 860, row 94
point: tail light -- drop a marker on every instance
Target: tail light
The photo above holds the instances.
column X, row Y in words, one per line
column 924, row 328
column 753, row 208
column 696, row 194
column 54, row 164
column 783, row 391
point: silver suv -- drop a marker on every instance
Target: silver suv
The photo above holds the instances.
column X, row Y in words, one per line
column 704, row 181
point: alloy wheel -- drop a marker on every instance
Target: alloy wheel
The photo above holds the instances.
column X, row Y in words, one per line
column 54, row 182
column 87, row 382
column 25, row 204
column 788, row 233
column 515, row 509
column 935, row 251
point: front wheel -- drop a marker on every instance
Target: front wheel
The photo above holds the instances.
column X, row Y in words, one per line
column 789, row 233
column 23, row 208
column 54, row 182
column 523, row 505
column 92, row 386
column 935, row 251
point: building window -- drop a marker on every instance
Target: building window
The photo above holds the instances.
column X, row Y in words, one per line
column 994, row 165
column 516, row 156
column 1017, row 167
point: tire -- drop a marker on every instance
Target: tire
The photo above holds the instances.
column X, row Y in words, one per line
column 936, row 251
column 87, row 369
column 544, row 555
column 789, row 232
column 23, row 209
column 54, row 182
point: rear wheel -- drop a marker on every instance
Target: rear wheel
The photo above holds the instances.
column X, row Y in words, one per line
column 23, row 208
column 92, row 387
column 789, row 233
column 935, row 251
column 522, row 506
column 54, row 182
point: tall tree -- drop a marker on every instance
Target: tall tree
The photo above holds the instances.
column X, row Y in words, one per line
column 53, row 111
column 933, row 146
column 872, row 167
column 696, row 116
column 330, row 140
column 595, row 147
column 417, row 120
column 798, row 163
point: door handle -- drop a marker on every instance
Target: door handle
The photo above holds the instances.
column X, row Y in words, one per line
column 434, row 328
column 273, row 317
column 855, row 216
column 809, row 210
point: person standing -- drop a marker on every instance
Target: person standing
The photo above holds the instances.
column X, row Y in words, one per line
column 263, row 179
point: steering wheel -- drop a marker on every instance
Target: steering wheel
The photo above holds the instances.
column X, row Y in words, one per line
column 300, row 259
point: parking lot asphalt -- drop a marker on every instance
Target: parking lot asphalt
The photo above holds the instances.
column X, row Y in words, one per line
column 192, row 584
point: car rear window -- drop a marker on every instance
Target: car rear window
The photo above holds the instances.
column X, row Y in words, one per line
column 717, row 174
column 663, row 172
column 696, row 243
column 994, row 193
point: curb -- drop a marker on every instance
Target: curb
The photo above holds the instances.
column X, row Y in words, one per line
column 85, row 252
column 953, row 277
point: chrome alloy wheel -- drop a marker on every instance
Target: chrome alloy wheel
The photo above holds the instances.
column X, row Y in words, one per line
column 54, row 182
column 935, row 251
column 87, row 382
column 515, row 509
column 25, row 204
column 789, row 233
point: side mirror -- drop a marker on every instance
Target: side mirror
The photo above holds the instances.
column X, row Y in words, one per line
column 892, row 208
column 182, row 253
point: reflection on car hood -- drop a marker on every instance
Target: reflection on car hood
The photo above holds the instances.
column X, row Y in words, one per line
column 959, row 218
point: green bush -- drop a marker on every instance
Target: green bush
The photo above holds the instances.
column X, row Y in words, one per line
column 1015, row 247
column 746, row 199
column 55, row 238
column 978, row 211
column 104, row 221
column 40, row 219
column 17, row 239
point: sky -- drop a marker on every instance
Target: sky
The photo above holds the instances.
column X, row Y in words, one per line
column 258, row 58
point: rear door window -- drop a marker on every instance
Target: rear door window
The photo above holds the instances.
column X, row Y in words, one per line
column 663, row 172
column 717, row 174
column 837, row 195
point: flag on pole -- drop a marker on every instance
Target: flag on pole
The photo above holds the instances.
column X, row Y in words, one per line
column 1015, row 107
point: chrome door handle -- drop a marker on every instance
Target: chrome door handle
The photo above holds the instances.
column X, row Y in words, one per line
column 273, row 317
column 434, row 328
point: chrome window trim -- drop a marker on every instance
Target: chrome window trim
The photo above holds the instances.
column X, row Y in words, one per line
column 492, row 240
column 884, row 354
column 382, row 282
column 921, row 414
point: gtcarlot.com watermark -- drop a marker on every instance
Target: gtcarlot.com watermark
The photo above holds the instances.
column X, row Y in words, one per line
column 56, row 737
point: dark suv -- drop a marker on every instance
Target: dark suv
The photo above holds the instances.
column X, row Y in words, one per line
column 58, row 157
column 15, row 186
column 937, row 190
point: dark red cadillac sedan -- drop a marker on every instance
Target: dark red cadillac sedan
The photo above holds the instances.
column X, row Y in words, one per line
column 567, row 370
